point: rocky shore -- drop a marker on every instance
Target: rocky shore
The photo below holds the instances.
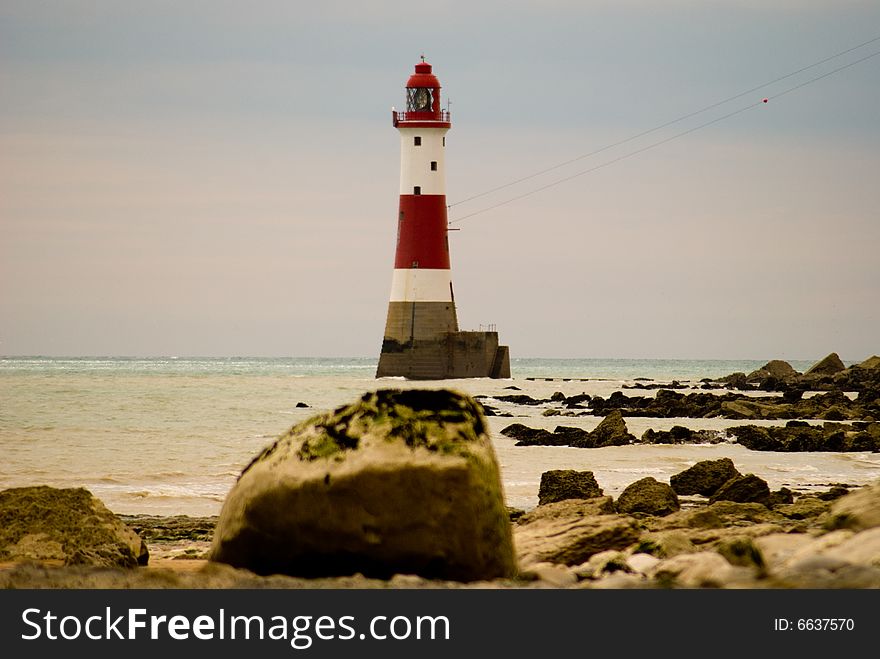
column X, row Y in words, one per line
column 401, row 489
column 847, row 394
column 710, row 527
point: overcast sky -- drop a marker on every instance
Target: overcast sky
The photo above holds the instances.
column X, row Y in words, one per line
column 221, row 178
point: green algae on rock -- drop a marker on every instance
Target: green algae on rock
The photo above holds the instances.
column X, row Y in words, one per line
column 69, row 525
column 396, row 482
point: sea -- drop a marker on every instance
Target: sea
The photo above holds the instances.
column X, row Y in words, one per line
column 169, row 436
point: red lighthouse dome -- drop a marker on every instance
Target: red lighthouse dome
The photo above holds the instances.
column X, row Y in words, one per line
column 423, row 100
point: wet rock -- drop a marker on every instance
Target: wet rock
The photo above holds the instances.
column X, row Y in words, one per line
column 649, row 496
column 572, row 540
column 705, row 477
column 400, row 481
column 682, row 435
column 526, row 436
column 559, row 484
column 301, row 404
column 66, row 525
column 611, row 431
column 803, row 437
column 743, row 489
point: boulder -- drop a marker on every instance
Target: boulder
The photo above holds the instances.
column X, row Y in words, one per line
column 826, row 366
column 611, row 431
column 743, row 489
column 572, row 540
column 68, row 525
column 560, row 484
column 776, row 369
column 400, row 481
column 650, row 496
column 857, row 510
column 704, row 478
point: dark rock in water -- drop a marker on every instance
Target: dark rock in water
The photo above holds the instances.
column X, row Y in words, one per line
column 830, row 365
column 301, row 404
column 796, row 436
column 572, row 436
column 705, row 477
column 558, row 397
column 612, row 431
column 577, row 401
column 67, row 525
column 737, row 381
column 743, row 489
column 650, row 496
column 526, row 436
column 682, row 435
column 521, row 399
column 560, row 484
column 513, row 388
column 401, row 481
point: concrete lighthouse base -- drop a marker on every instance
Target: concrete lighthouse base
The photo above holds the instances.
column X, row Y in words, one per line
column 448, row 356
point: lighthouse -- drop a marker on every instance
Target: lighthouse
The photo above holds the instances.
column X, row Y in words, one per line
column 422, row 340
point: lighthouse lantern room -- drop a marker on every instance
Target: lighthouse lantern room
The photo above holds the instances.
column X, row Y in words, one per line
column 422, row 340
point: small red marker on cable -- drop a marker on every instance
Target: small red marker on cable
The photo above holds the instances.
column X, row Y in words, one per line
column 766, row 99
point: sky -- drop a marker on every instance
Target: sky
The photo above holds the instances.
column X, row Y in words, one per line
column 215, row 178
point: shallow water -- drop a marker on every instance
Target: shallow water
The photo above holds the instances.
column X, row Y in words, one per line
column 169, row 436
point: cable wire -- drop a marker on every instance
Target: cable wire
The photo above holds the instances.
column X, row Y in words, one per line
column 668, row 139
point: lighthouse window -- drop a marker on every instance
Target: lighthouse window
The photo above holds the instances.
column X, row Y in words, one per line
column 417, row 140
column 444, row 141
column 417, row 189
column 433, row 165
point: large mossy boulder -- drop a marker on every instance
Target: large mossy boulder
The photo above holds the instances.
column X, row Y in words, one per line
column 70, row 526
column 704, row 478
column 400, row 481
column 561, row 484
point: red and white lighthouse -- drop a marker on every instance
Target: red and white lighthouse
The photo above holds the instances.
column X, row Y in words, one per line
column 422, row 340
